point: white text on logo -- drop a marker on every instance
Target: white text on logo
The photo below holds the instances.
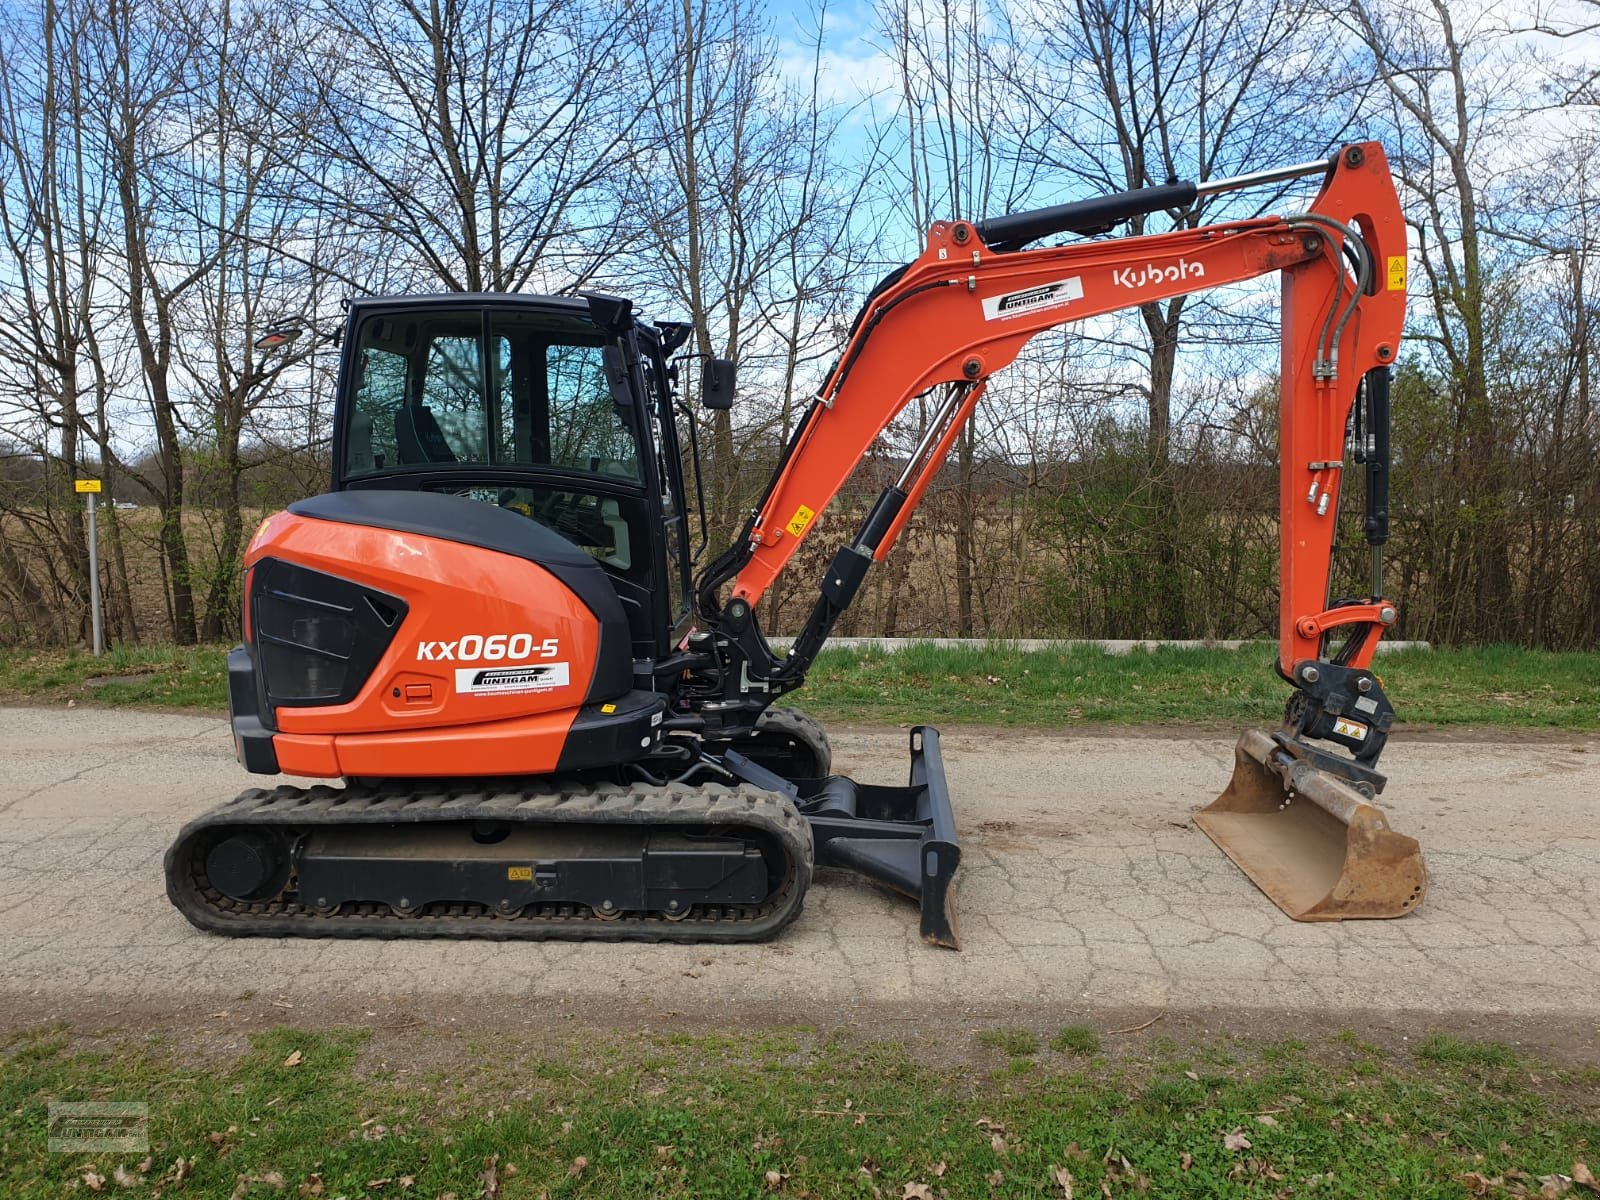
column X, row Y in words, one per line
column 1138, row 277
column 494, row 647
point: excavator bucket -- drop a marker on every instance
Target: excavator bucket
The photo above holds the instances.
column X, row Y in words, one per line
column 1319, row 848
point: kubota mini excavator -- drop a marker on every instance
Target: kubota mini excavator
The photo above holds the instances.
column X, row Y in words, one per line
column 547, row 727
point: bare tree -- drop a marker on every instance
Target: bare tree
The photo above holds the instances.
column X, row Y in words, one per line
column 743, row 217
column 953, row 70
column 1126, row 94
column 54, row 200
column 475, row 133
column 237, row 187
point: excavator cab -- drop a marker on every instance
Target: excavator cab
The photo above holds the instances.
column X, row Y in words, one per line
column 528, row 404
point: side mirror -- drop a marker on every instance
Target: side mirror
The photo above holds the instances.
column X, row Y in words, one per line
column 616, row 372
column 717, row 381
column 278, row 335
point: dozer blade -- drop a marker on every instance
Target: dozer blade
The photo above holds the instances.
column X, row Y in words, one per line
column 1317, row 847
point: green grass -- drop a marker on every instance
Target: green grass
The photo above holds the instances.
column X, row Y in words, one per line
column 1497, row 687
column 194, row 677
column 1444, row 1048
column 1500, row 686
column 1019, row 1043
column 639, row 1114
column 1078, row 1039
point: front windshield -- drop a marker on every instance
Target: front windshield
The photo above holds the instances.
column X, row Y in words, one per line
column 485, row 387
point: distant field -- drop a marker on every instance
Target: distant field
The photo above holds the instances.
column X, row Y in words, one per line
column 1058, row 688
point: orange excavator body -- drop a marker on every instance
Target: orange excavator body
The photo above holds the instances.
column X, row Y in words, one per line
column 485, row 627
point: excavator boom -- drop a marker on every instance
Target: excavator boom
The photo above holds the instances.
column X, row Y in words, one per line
column 964, row 310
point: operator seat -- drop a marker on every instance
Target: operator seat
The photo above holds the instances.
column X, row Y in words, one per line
column 418, row 438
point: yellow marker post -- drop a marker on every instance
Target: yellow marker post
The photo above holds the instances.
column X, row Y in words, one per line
column 91, row 488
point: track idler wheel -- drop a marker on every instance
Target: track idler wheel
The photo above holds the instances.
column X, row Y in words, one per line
column 249, row 865
column 1318, row 848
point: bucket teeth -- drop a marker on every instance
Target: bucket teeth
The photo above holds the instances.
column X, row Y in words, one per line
column 1318, row 848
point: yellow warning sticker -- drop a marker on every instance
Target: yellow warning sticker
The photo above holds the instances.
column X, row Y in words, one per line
column 86, row 485
column 1397, row 272
column 1350, row 729
column 519, row 874
column 608, row 708
column 802, row 518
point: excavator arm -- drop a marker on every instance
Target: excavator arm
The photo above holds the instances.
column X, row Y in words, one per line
column 965, row 308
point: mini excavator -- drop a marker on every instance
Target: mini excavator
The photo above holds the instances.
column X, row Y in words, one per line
column 546, row 724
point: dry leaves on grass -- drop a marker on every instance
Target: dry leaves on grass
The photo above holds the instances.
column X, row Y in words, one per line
column 774, row 1180
column 1258, row 1168
column 579, row 1165
column 917, row 1191
column 1120, row 1170
column 243, row 1183
column 294, row 1060
column 997, row 1134
column 1583, row 1177
column 178, row 1171
column 93, row 1181
column 491, row 1178
column 1063, row 1177
column 1235, row 1140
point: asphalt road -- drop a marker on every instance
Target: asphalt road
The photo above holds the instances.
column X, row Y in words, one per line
column 1084, row 886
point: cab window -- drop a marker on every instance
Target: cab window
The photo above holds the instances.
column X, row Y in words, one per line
column 485, row 388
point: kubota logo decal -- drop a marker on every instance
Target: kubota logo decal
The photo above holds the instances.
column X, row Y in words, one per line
column 1138, row 277
column 492, row 647
column 1046, row 295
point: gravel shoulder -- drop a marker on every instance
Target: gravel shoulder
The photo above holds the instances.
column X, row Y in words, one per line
column 1086, row 893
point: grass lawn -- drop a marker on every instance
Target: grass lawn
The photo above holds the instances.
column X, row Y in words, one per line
column 793, row 1112
column 1498, row 686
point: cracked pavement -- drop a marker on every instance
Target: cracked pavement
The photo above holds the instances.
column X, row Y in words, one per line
column 1083, row 885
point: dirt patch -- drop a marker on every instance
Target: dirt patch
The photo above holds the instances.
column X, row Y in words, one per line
column 430, row 1032
column 100, row 681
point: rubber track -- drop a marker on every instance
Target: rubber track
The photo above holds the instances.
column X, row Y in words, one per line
column 550, row 803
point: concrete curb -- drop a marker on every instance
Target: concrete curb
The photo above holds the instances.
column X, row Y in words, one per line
column 1030, row 645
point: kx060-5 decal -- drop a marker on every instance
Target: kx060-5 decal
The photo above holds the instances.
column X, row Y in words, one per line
column 492, row 647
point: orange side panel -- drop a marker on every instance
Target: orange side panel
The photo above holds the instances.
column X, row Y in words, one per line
column 522, row 746
column 471, row 613
column 304, row 754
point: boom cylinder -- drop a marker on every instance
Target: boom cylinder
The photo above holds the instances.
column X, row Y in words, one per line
column 1376, row 525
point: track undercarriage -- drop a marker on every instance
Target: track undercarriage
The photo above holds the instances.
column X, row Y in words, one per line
column 565, row 859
